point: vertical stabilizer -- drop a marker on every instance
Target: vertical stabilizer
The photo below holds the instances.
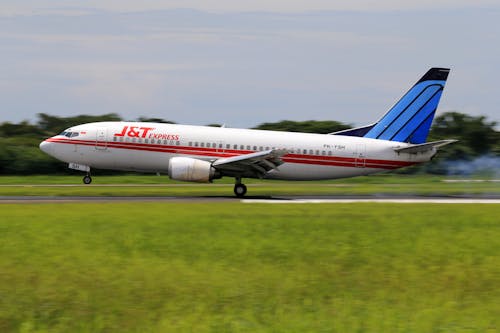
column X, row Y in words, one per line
column 411, row 118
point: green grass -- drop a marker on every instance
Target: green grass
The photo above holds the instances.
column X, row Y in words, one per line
column 144, row 185
column 218, row 267
column 76, row 179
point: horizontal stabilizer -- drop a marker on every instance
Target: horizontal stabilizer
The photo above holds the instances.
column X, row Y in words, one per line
column 423, row 147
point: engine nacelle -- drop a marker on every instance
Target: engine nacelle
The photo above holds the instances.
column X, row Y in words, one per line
column 191, row 170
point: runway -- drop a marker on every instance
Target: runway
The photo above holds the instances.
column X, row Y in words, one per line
column 493, row 199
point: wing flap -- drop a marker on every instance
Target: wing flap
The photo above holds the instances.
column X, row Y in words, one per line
column 254, row 164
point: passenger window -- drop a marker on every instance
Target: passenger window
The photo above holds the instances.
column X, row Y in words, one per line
column 146, row 140
column 235, row 147
column 121, row 139
column 208, row 144
column 134, row 140
column 202, row 144
column 228, row 146
column 304, row 151
column 311, row 152
column 196, row 144
column 114, row 138
column 329, row 153
column 242, row 147
column 178, row 143
column 317, row 152
column 190, row 143
column 323, row 152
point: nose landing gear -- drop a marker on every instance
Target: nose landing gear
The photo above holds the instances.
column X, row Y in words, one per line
column 87, row 179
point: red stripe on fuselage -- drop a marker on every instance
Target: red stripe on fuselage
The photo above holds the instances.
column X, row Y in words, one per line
column 215, row 152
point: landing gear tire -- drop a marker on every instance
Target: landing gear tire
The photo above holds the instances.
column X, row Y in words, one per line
column 240, row 190
column 87, row 179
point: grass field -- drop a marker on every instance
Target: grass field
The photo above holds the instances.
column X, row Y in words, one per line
column 219, row 267
column 144, row 185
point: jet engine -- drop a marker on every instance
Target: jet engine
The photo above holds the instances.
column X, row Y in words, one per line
column 191, row 170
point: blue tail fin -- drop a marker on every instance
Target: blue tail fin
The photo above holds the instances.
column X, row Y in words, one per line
column 411, row 118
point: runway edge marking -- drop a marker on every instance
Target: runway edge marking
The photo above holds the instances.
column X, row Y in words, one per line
column 403, row 201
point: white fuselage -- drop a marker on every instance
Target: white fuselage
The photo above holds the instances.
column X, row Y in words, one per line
column 148, row 147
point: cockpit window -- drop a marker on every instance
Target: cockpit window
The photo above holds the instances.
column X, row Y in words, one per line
column 69, row 134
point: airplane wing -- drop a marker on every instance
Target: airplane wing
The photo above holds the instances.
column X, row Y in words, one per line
column 413, row 149
column 250, row 165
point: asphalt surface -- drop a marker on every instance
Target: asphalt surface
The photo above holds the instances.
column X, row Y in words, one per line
column 491, row 199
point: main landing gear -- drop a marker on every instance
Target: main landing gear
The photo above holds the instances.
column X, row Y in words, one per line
column 239, row 189
column 87, row 179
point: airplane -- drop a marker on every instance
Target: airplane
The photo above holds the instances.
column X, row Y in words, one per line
column 203, row 153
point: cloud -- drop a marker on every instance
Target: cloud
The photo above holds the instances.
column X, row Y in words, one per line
column 115, row 85
column 104, row 40
column 30, row 7
column 195, row 66
column 63, row 7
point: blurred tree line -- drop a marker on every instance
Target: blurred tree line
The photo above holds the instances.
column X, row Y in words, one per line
column 477, row 137
column 19, row 152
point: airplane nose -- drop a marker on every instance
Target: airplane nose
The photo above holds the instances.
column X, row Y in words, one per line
column 46, row 147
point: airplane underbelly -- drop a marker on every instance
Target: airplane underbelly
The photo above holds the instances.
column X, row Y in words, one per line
column 119, row 159
column 295, row 171
column 140, row 160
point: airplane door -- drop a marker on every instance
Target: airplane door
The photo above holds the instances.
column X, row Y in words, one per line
column 360, row 156
column 101, row 138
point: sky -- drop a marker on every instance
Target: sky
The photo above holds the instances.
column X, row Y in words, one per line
column 244, row 63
